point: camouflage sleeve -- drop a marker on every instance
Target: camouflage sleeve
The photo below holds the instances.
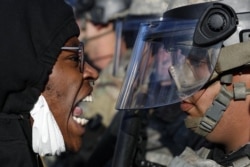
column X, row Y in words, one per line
column 190, row 158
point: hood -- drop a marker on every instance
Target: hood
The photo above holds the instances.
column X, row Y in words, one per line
column 32, row 33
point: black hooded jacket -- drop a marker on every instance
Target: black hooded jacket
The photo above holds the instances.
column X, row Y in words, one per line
column 31, row 33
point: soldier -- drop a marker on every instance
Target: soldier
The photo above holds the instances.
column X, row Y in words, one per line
column 125, row 19
column 211, row 81
column 100, row 41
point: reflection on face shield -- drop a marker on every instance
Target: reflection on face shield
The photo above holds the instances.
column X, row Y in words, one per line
column 162, row 63
column 192, row 72
column 166, row 66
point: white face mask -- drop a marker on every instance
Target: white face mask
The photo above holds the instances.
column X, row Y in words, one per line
column 47, row 138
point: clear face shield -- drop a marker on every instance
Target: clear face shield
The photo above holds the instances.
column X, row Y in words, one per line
column 126, row 30
column 166, row 66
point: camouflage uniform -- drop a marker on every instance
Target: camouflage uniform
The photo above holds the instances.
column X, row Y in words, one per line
column 190, row 158
column 209, row 157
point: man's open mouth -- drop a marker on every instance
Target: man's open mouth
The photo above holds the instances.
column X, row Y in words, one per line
column 78, row 114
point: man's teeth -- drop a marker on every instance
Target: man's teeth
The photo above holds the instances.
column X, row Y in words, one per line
column 81, row 121
column 88, row 99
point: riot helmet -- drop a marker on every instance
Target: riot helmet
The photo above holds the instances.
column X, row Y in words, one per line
column 100, row 11
column 199, row 40
column 127, row 24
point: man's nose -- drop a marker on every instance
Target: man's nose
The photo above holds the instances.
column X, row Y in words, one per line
column 90, row 72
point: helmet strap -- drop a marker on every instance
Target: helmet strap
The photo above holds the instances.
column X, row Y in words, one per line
column 206, row 124
column 216, row 110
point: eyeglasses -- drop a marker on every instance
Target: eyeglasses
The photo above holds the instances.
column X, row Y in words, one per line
column 80, row 51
